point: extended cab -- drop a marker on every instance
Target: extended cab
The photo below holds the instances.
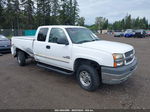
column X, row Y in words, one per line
column 75, row 50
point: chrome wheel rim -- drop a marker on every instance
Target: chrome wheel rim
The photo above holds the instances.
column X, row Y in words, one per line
column 85, row 78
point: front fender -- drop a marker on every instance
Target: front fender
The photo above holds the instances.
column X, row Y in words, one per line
column 101, row 60
column 89, row 57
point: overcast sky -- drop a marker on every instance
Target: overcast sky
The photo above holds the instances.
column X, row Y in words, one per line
column 113, row 9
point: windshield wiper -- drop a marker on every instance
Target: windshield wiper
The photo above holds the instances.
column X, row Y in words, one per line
column 96, row 39
column 84, row 41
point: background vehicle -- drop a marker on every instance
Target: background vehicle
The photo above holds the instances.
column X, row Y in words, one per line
column 139, row 33
column 129, row 33
column 118, row 33
column 147, row 33
column 110, row 32
column 5, row 44
column 75, row 50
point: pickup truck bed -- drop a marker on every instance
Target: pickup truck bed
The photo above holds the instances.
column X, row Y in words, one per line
column 24, row 43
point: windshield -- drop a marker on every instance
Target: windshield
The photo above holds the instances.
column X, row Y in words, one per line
column 81, row 35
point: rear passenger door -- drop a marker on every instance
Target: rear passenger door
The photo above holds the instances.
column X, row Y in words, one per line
column 39, row 45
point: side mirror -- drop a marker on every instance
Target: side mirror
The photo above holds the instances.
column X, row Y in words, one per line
column 62, row 41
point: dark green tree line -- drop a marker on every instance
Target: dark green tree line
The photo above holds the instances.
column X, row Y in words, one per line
column 29, row 14
column 131, row 23
column 127, row 22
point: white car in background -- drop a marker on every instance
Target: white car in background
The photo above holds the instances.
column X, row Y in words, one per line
column 118, row 33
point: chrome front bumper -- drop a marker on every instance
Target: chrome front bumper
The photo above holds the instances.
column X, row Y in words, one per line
column 118, row 75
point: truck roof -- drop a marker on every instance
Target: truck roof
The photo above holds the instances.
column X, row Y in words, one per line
column 62, row 26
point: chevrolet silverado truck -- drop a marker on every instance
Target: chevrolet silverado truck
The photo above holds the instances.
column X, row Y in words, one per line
column 75, row 50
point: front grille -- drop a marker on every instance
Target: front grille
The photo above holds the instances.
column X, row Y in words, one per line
column 5, row 45
column 129, row 56
column 129, row 59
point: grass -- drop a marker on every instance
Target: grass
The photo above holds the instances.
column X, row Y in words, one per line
column 9, row 37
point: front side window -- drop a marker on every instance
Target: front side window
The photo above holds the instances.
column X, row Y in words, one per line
column 55, row 34
column 81, row 35
column 42, row 34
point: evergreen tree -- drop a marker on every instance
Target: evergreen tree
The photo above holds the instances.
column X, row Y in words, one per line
column 128, row 22
column 16, row 9
column 69, row 12
column 81, row 21
column 75, row 13
column 55, row 12
column 28, row 13
column 101, row 23
column 105, row 26
column 9, row 14
column 1, row 12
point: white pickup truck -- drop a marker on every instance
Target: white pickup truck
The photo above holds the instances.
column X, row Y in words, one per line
column 75, row 50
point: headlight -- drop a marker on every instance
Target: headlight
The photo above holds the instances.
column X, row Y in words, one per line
column 118, row 60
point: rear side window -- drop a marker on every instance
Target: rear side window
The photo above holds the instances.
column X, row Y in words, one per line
column 42, row 34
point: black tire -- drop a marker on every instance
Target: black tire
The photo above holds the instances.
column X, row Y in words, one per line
column 94, row 76
column 21, row 58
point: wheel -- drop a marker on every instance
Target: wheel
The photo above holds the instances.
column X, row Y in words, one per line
column 21, row 58
column 88, row 77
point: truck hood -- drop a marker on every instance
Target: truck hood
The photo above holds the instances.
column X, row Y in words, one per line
column 108, row 46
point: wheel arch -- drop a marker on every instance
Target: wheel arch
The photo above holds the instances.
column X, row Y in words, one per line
column 80, row 61
column 17, row 50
